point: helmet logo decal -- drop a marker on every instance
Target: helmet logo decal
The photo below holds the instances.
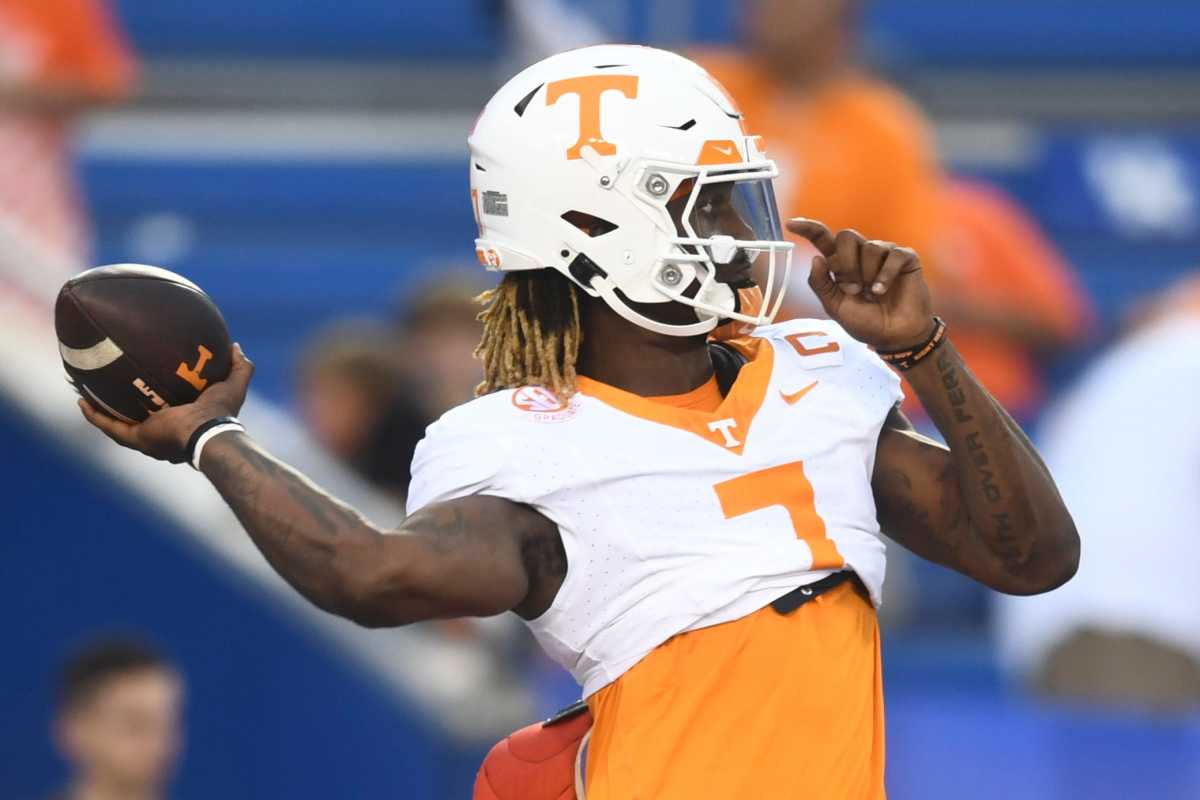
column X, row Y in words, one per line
column 590, row 88
column 719, row 151
column 488, row 257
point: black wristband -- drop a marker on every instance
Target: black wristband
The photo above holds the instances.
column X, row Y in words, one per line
column 909, row 357
column 203, row 428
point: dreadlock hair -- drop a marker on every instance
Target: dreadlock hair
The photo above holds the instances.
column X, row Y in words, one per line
column 531, row 333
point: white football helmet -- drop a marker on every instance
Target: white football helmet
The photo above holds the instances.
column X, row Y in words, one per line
column 628, row 170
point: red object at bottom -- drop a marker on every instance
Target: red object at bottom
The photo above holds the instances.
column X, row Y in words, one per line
column 538, row 762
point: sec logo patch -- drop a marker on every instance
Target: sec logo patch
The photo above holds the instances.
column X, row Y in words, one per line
column 542, row 404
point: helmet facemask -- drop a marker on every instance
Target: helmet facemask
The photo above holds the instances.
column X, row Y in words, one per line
column 726, row 235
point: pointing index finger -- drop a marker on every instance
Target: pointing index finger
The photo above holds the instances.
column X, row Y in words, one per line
column 815, row 232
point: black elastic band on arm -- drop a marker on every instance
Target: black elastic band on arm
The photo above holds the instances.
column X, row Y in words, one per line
column 200, row 431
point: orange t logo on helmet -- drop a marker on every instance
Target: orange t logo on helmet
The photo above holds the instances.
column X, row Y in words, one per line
column 590, row 88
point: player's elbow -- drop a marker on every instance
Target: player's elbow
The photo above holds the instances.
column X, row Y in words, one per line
column 1055, row 563
column 1062, row 559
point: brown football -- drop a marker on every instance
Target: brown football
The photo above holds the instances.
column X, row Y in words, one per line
column 136, row 339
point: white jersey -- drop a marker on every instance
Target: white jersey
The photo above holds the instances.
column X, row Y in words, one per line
column 676, row 519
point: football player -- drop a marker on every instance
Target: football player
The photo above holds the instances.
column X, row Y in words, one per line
column 690, row 527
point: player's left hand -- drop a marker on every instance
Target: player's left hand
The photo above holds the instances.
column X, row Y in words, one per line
column 875, row 290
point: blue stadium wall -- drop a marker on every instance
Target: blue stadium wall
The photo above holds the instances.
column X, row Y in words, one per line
column 951, row 33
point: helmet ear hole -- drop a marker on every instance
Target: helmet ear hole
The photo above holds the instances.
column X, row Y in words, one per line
column 590, row 224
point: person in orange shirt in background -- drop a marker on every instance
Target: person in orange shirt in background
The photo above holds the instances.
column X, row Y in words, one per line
column 853, row 152
column 1008, row 293
column 58, row 59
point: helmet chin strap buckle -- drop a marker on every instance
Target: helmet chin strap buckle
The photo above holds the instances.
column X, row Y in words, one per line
column 584, row 271
column 722, row 248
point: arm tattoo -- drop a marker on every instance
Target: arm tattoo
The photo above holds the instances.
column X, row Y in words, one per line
column 543, row 555
column 330, row 516
column 445, row 524
column 902, row 509
column 459, row 558
column 996, row 530
column 293, row 523
column 979, row 437
column 541, row 548
column 988, row 507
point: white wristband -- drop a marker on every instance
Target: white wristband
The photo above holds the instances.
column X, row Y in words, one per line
column 216, row 430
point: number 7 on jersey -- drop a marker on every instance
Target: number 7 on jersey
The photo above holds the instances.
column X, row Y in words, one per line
column 785, row 485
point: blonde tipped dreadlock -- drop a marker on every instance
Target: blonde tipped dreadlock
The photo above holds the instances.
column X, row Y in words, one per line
column 531, row 333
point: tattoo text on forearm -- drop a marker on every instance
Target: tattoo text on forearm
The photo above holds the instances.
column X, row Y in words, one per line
column 1000, row 536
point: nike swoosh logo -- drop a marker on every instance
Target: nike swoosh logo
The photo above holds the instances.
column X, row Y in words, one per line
column 727, row 150
column 794, row 397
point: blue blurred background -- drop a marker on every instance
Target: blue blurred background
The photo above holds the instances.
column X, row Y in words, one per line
column 304, row 162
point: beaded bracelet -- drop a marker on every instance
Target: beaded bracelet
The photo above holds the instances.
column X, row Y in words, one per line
column 908, row 358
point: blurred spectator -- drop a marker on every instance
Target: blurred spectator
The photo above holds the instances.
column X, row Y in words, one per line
column 1124, row 446
column 368, row 390
column 1008, row 294
column 852, row 152
column 58, row 59
column 353, row 398
column 439, row 330
column 119, row 722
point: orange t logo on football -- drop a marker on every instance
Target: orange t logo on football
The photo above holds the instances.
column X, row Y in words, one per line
column 590, row 88
column 192, row 374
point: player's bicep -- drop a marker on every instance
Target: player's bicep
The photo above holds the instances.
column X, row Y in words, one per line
column 466, row 559
column 917, row 496
column 471, row 556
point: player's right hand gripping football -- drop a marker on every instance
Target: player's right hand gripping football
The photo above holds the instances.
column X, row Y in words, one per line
column 164, row 435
